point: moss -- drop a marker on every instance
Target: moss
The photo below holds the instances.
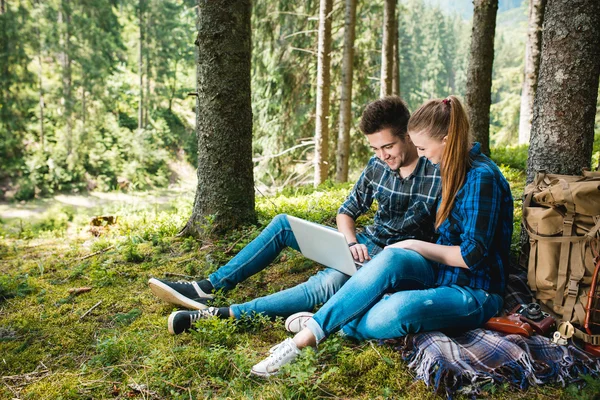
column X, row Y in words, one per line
column 124, row 339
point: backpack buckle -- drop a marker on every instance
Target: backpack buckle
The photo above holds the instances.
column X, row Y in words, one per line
column 573, row 288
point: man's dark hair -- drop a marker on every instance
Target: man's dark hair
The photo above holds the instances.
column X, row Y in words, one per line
column 388, row 112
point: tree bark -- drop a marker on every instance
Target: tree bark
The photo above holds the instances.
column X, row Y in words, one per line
column 479, row 73
column 532, row 65
column 64, row 22
column 225, row 191
column 2, row 7
column 323, row 83
column 387, row 48
column 343, row 144
column 562, row 131
column 141, row 65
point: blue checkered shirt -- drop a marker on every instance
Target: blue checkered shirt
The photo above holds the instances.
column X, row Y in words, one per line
column 407, row 206
column 481, row 223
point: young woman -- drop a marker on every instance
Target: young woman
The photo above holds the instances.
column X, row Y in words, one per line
column 415, row 286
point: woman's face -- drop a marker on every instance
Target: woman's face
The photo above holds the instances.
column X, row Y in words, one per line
column 428, row 146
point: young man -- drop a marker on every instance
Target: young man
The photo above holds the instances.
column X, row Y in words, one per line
column 406, row 188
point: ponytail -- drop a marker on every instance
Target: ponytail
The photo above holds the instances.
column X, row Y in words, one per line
column 446, row 118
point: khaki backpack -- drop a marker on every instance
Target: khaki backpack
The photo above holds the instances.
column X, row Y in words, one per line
column 561, row 215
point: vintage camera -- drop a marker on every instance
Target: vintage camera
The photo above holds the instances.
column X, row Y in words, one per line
column 541, row 322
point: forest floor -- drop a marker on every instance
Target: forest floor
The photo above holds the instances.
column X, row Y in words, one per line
column 112, row 341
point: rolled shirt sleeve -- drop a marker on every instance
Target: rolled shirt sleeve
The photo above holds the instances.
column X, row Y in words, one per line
column 480, row 212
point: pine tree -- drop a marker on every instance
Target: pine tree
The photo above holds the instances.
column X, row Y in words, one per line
column 564, row 108
column 479, row 75
column 225, row 190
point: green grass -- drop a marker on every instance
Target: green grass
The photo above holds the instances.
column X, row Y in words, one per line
column 51, row 349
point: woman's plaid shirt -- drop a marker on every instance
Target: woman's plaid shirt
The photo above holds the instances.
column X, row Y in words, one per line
column 406, row 206
column 481, row 223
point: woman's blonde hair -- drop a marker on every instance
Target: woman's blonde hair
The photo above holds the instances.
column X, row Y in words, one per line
column 441, row 118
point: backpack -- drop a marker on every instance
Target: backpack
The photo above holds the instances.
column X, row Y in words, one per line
column 561, row 215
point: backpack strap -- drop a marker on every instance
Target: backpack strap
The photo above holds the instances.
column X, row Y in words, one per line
column 563, row 265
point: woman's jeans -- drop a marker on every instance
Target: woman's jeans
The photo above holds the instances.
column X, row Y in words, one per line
column 261, row 252
column 394, row 295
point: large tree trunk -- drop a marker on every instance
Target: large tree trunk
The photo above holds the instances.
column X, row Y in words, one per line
column 479, row 73
column 225, row 191
column 343, row 144
column 387, row 48
column 323, row 82
column 532, row 65
column 564, row 108
column 141, row 65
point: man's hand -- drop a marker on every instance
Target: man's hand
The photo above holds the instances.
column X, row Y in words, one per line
column 359, row 252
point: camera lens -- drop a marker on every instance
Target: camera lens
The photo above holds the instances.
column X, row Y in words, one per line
column 534, row 311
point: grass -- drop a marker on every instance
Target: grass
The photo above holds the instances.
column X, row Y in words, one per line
column 112, row 341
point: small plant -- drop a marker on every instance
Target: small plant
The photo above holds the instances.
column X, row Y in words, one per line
column 216, row 332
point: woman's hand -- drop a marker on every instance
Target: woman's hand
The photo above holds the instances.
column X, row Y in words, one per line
column 408, row 244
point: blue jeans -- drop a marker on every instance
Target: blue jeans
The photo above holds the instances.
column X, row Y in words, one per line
column 394, row 295
column 259, row 253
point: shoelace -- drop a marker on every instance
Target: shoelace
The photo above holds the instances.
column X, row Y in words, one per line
column 210, row 311
column 279, row 352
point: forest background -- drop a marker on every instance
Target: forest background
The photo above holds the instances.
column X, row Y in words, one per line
column 95, row 94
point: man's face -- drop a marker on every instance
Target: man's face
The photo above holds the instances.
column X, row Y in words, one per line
column 389, row 148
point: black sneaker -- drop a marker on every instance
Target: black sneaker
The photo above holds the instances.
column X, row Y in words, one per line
column 181, row 321
column 185, row 294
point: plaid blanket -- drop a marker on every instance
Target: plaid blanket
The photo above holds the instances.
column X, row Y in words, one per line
column 467, row 362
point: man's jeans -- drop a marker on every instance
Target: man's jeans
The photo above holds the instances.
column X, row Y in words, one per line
column 394, row 295
column 259, row 253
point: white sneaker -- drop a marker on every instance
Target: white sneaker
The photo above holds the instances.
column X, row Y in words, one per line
column 282, row 354
column 296, row 322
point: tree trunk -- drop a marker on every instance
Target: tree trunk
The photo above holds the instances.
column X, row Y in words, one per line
column 532, row 66
column 41, row 88
column 387, row 48
column 343, row 145
column 2, row 7
column 479, row 74
column 64, row 20
column 396, row 67
column 141, row 65
column 225, row 191
column 562, row 131
column 147, row 54
column 323, row 82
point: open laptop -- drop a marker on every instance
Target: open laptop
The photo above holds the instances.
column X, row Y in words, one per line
column 324, row 245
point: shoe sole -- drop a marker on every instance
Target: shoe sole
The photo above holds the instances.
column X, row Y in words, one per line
column 263, row 374
column 169, row 295
column 289, row 322
column 170, row 323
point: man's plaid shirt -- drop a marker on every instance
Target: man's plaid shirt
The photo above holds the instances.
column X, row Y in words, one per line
column 481, row 223
column 407, row 206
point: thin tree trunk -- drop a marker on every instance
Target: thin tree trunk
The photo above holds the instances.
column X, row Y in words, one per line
column 41, row 90
column 147, row 53
column 562, row 131
column 479, row 74
column 323, row 83
column 387, row 48
column 343, row 144
column 83, row 106
column 141, row 66
column 64, row 21
column 396, row 67
column 2, row 7
column 532, row 65
column 225, row 191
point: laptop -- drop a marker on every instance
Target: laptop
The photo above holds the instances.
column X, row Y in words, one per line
column 324, row 245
